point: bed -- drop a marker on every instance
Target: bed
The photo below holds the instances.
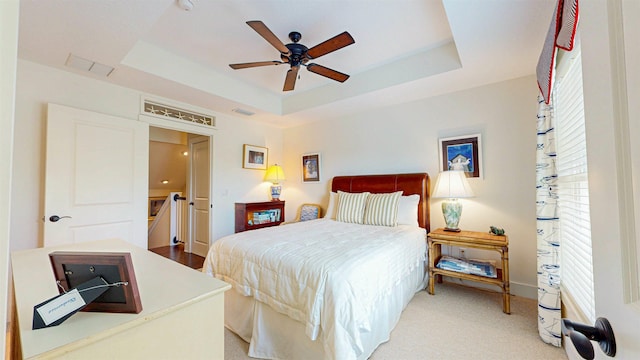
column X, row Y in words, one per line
column 330, row 288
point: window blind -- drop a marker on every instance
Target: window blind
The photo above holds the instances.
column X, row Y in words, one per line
column 573, row 186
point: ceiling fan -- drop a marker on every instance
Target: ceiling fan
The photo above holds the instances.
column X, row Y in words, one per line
column 297, row 55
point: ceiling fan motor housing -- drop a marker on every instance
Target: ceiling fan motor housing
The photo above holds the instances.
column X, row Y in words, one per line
column 297, row 56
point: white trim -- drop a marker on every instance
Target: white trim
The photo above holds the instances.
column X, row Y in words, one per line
column 197, row 130
column 571, row 309
column 177, row 125
column 624, row 151
column 515, row 288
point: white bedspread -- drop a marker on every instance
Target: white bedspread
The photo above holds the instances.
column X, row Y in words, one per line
column 326, row 274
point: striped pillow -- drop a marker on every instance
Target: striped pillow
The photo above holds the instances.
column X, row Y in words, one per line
column 382, row 209
column 351, row 207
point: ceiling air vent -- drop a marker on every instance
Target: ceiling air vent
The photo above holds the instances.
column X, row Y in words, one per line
column 243, row 111
column 175, row 113
column 93, row 67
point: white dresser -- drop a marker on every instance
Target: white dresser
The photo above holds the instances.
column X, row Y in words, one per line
column 182, row 316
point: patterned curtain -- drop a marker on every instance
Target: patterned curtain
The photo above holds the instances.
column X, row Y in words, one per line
column 549, row 316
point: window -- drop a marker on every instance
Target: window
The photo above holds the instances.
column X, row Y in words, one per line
column 573, row 186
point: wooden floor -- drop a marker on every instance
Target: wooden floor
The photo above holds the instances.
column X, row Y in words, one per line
column 176, row 253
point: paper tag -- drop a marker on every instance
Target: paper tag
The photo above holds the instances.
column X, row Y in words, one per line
column 60, row 307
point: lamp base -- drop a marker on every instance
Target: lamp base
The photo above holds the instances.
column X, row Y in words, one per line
column 451, row 209
column 452, row 230
column 275, row 192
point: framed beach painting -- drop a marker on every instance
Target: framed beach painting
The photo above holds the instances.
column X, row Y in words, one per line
column 311, row 167
column 254, row 157
column 155, row 204
column 462, row 153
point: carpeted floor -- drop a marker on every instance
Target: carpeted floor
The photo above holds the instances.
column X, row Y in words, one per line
column 457, row 322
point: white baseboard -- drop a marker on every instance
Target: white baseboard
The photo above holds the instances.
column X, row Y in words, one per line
column 524, row 290
column 518, row 289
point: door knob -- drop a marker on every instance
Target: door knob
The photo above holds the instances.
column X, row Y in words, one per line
column 56, row 218
column 581, row 336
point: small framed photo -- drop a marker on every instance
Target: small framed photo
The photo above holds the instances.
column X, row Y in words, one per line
column 311, row 167
column 115, row 269
column 254, row 157
column 154, row 205
column 462, row 153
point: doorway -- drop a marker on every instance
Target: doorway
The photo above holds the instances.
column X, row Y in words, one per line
column 179, row 177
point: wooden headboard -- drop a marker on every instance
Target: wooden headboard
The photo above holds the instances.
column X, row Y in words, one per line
column 409, row 184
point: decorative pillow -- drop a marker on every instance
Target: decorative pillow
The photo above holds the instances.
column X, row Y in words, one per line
column 351, row 207
column 382, row 209
column 332, row 207
column 309, row 212
column 408, row 210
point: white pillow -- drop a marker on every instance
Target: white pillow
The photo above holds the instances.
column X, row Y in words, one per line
column 382, row 209
column 351, row 207
column 332, row 207
column 408, row 210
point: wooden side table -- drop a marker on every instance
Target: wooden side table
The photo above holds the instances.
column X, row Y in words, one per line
column 250, row 216
column 470, row 239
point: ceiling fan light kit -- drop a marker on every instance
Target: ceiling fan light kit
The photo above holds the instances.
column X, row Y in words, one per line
column 296, row 54
column 186, row 5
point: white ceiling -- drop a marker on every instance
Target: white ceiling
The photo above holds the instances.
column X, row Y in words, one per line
column 404, row 49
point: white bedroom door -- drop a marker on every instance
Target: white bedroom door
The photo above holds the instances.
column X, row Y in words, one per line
column 615, row 210
column 199, row 195
column 96, row 177
column 617, row 263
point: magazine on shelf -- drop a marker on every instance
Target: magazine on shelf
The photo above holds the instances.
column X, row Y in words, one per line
column 266, row 216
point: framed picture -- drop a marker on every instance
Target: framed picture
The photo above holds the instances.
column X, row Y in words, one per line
column 462, row 153
column 72, row 269
column 254, row 157
column 311, row 167
column 154, row 205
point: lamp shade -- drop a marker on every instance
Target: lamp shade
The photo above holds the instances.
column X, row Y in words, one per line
column 274, row 174
column 452, row 184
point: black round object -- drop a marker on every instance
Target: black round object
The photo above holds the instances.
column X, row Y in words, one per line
column 607, row 339
column 295, row 36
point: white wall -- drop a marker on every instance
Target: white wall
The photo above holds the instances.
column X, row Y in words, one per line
column 400, row 138
column 8, row 53
column 404, row 138
column 38, row 85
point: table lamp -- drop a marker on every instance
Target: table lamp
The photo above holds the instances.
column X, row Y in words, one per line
column 452, row 185
column 274, row 175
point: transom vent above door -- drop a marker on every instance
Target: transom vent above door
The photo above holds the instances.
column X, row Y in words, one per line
column 161, row 110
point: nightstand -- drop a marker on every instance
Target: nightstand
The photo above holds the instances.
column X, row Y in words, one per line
column 250, row 216
column 475, row 240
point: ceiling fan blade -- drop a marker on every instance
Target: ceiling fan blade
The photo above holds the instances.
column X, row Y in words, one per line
column 264, row 31
column 254, row 64
column 335, row 43
column 326, row 72
column 290, row 80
